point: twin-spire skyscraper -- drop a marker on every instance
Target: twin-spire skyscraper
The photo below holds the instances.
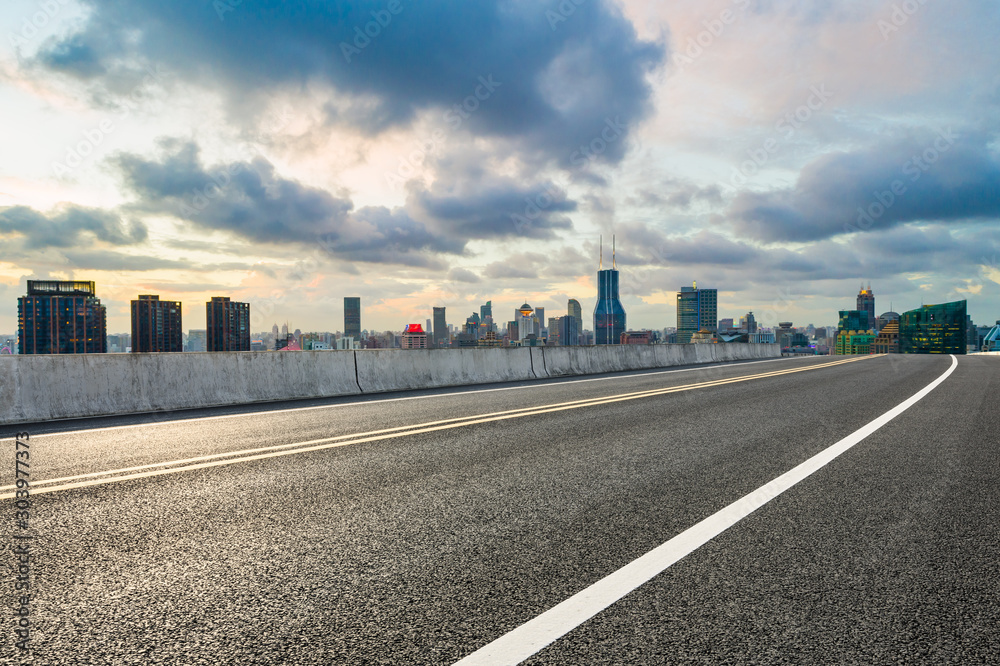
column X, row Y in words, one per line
column 609, row 315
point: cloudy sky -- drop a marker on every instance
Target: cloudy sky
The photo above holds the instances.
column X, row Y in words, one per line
column 445, row 153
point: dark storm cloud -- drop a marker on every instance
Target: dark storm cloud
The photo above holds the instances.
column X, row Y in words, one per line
column 933, row 177
column 496, row 209
column 69, row 226
column 551, row 76
column 250, row 199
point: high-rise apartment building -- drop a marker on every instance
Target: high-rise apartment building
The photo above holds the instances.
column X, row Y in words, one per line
column 156, row 325
column 697, row 310
column 352, row 317
column 61, row 317
column 227, row 324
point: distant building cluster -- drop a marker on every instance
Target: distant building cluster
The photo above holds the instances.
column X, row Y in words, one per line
column 932, row 329
column 67, row 317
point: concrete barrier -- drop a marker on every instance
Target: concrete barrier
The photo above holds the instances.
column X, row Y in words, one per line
column 382, row 370
column 70, row 386
column 43, row 388
column 567, row 361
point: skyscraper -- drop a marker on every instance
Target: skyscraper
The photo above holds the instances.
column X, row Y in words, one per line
column 866, row 303
column 441, row 336
column 197, row 340
column 609, row 315
column 156, row 325
column 486, row 311
column 574, row 310
column 540, row 316
column 352, row 317
column 525, row 317
column 854, row 320
column 61, row 317
column 228, row 325
column 934, row 329
column 563, row 332
column 697, row 309
column 748, row 323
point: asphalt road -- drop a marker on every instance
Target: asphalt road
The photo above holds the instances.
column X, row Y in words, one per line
column 419, row 528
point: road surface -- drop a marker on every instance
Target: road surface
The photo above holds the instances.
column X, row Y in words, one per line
column 432, row 527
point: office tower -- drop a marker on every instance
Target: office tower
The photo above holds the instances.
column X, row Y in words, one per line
column 472, row 326
column 156, row 325
column 934, row 329
column 569, row 332
column 697, row 310
column 574, row 310
column 866, row 303
column 609, row 314
column 228, row 325
column 198, row 341
column 512, row 332
column 554, row 338
column 783, row 334
column 61, row 317
column 442, row 338
column 540, row 316
column 486, row 311
column 726, row 325
column 352, row 317
column 414, row 337
column 748, row 323
column 854, row 320
column 428, row 329
column 525, row 317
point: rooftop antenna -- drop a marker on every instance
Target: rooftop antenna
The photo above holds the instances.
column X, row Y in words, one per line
column 614, row 261
column 601, row 265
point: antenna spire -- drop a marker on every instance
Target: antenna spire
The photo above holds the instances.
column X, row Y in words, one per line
column 601, row 265
column 614, row 261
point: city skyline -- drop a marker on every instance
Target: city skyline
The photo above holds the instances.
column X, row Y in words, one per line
column 291, row 182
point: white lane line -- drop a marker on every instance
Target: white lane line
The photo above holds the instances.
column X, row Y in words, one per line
column 269, row 412
column 531, row 637
column 348, row 440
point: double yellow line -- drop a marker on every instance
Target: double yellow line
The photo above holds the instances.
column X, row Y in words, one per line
column 247, row 455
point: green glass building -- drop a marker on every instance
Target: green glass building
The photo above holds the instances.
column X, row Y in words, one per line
column 934, row 329
column 855, row 320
